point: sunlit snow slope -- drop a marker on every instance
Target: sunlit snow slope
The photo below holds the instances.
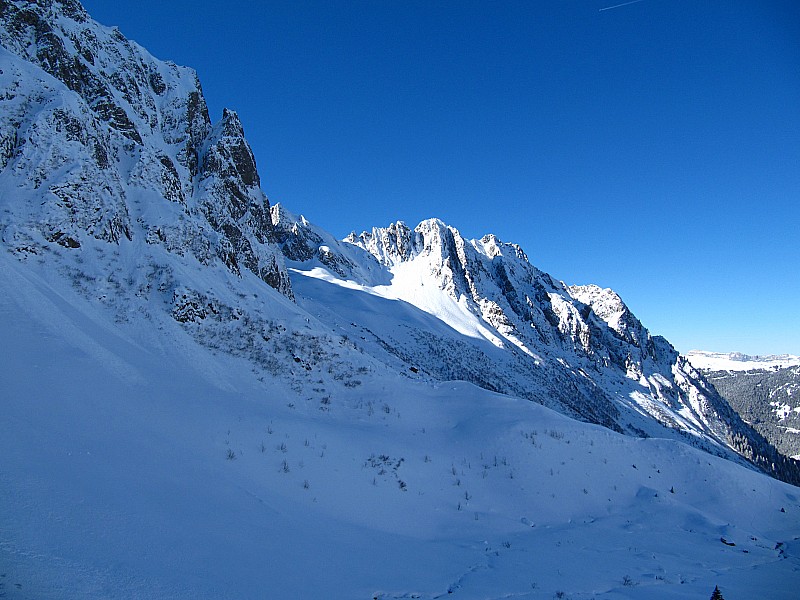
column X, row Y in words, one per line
column 139, row 464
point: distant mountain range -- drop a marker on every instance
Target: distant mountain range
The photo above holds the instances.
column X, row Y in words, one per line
column 736, row 361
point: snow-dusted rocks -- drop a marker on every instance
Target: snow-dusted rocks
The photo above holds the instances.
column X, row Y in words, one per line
column 101, row 133
column 309, row 245
column 234, row 205
column 390, row 245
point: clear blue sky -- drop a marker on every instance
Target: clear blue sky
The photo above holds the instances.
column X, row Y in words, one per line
column 653, row 148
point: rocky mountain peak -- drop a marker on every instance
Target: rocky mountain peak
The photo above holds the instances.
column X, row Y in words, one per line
column 108, row 133
column 608, row 306
column 229, row 153
column 389, row 245
column 493, row 247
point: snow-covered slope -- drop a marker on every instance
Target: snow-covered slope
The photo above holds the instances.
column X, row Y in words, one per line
column 140, row 464
column 504, row 325
column 736, row 361
column 205, row 397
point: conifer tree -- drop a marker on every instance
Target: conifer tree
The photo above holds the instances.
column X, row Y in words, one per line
column 717, row 595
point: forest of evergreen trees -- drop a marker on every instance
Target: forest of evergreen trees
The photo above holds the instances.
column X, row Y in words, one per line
column 767, row 399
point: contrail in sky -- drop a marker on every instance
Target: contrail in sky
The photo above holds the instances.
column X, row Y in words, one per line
column 618, row 5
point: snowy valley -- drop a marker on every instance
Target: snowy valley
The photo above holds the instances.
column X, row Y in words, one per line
column 208, row 396
column 764, row 390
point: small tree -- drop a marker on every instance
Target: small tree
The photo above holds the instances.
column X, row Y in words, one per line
column 717, row 595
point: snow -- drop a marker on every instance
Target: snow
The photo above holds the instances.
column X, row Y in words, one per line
column 115, row 480
column 409, row 284
column 783, row 410
column 174, row 427
column 736, row 361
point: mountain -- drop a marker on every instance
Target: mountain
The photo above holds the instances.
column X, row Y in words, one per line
column 736, row 361
column 111, row 154
column 762, row 389
column 207, row 396
column 512, row 329
column 102, row 143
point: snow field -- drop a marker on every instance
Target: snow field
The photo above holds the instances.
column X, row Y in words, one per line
column 134, row 470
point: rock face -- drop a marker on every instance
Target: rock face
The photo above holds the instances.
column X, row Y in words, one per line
column 105, row 133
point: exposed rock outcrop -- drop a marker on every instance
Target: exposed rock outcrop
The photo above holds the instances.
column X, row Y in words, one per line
column 107, row 132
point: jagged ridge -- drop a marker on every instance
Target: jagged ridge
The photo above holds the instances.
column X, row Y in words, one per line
column 576, row 348
column 105, row 133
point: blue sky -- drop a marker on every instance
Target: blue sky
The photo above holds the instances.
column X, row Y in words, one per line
column 653, row 148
